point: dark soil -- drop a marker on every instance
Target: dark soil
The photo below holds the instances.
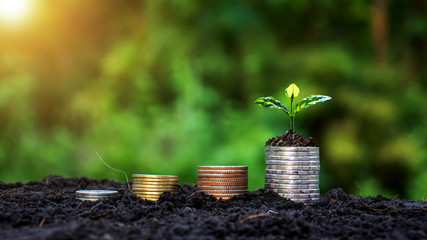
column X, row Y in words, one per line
column 47, row 209
column 291, row 139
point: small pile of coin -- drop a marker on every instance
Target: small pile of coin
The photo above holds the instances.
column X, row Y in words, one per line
column 150, row 187
column 293, row 172
column 223, row 181
column 94, row 195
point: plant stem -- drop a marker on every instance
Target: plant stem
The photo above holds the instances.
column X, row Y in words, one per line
column 292, row 123
column 292, row 113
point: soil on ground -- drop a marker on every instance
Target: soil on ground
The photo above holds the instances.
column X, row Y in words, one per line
column 48, row 209
column 291, row 139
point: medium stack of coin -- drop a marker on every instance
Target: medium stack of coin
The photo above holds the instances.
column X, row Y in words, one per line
column 150, row 187
column 293, row 172
column 223, row 181
column 94, row 195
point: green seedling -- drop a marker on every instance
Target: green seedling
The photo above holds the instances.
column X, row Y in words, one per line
column 291, row 92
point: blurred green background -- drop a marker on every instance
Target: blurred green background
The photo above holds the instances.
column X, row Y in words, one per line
column 164, row 86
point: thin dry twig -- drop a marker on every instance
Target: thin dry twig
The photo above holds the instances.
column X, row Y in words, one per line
column 117, row 170
column 256, row 216
column 192, row 194
column 42, row 223
column 7, row 191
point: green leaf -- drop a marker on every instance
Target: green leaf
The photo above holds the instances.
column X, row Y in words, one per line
column 292, row 91
column 271, row 102
column 309, row 101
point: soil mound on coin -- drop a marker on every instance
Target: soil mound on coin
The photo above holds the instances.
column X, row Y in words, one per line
column 291, row 139
column 48, row 209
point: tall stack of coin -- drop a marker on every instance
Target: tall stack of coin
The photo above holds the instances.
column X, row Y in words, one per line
column 293, row 172
column 150, row 187
column 223, row 181
column 94, row 195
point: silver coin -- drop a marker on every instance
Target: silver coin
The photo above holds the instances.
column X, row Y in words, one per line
column 292, row 158
column 291, row 172
column 292, row 163
column 299, row 196
column 291, row 168
column 297, row 191
column 291, row 177
column 96, row 192
column 291, row 186
column 292, row 154
column 294, row 190
column 94, row 195
column 306, row 200
column 89, row 196
column 314, row 181
column 287, row 181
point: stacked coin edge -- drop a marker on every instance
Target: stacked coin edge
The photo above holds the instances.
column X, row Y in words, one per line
column 223, row 181
column 94, row 195
column 150, row 186
column 293, row 172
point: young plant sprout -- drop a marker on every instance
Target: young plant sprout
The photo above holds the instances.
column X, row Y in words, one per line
column 291, row 92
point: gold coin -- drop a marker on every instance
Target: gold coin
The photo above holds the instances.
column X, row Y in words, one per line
column 148, row 196
column 155, row 186
column 155, row 182
column 154, row 189
column 151, row 199
column 152, row 192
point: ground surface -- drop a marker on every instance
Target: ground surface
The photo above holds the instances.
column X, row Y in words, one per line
column 48, row 210
column 293, row 139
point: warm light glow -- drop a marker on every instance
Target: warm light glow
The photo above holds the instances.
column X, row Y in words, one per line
column 14, row 10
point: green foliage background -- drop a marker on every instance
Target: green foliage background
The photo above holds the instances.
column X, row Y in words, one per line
column 164, row 86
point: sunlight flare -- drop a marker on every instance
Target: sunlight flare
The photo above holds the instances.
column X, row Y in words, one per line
column 14, row 10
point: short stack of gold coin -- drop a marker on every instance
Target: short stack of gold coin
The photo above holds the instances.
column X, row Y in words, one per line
column 223, row 181
column 150, row 187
